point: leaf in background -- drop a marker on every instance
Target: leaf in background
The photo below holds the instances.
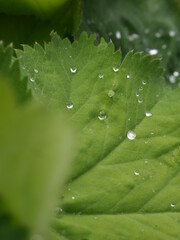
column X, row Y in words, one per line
column 126, row 173
column 139, row 25
column 28, row 21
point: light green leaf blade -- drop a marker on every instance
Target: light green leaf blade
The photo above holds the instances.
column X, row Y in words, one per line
column 124, row 183
column 34, row 150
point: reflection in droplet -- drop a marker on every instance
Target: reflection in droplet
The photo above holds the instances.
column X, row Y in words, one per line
column 101, row 75
column 131, row 135
column 148, row 114
column 73, row 69
column 136, row 173
column 116, row 68
column 69, row 105
column 102, row 115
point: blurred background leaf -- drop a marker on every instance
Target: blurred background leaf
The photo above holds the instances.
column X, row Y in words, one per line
column 27, row 21
column 140, row 25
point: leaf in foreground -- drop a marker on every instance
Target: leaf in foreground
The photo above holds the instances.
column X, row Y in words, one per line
column 125, row 177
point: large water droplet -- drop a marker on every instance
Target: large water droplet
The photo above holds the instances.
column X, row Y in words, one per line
column 136, row 173
column 118, row 34
column 73, row 69
column 102, row 115
column 111, row 93
column 148, row 114
column 101, row 75
column 153, row 52
column 69, row 105
column 116, row 68
column 131, row 135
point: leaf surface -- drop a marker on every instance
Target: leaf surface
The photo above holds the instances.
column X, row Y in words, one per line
column 116, row 183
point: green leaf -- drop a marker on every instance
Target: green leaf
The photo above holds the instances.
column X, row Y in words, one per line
column 34, row 150
column 10, row 72
column 31, row 21
column 139, row 25
column 119, row 188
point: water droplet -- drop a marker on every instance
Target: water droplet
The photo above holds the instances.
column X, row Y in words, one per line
column 58, row 211
column 141, row 88
column 153, row 52
column 70, row 56
column 144, row 82
column 133, row 37
column 176, row 74
column 116, row 68
column 32, row 79
column 102, row 115
column 158, row 34
column 69, row 105
column 146, row 31
column 73, row 69
column 73, row 198
column 146, row 161
column 140, row 100
column 148, row 114
column 137, row 94
column 172, row 79
column 118, row 34
column 101, row 75
column 172, row 33
column 131, row 135
column 111, row 93
column 172, row 205
column 136, row 173
column 128, row 76
column 35, row 70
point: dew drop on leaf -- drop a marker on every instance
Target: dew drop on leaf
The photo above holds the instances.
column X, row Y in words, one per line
column 102, row 115
column 176, row 74
column 172, row 33
column 69, row 105
column 32, row 79
column 131, row 135
column 101, row 75
column 172, row 79
column 111, row 93
column 148, row 114
column 172, row 205
column 128, row 76
column 73, row 198
column 143, row 82
column 116, row 68
column 141, row 88
column 140, row 100
column 136, row 173
column 35, row 70
column 73, row 69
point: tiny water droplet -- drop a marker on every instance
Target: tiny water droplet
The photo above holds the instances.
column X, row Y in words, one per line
column 131, row 135
column 146, row 161
column 153, row 52
column 35, row 70
column 148, row 114
column 140, row 100
column 146, row 31
column 116, row 68
column 144, row 82
column 136, row 173
column 118, row 34
column 101, row 75
column 73, row 69
column 73, row 198
column 158, row 34
column 172, row 33
column 141, row 88
column 128, row 76
column 133, row 37
column 58, row 211
column 111, row 93
column 172, row 205
column 164, row 46
column 137, row 94
column 102, row 115
column 32, row 79
column 69, row 105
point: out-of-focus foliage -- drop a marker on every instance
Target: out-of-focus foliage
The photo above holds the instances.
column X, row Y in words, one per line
column 140, row 25
column 29, row 21
column 34, row 156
